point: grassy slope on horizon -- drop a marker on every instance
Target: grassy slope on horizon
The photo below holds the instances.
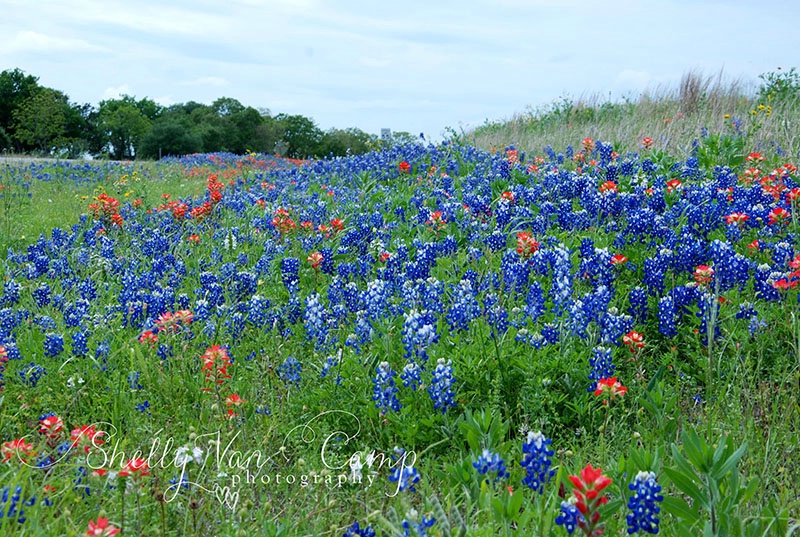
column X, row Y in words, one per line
column 708, row 110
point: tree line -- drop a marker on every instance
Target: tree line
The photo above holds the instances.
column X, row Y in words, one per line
column 42, row 120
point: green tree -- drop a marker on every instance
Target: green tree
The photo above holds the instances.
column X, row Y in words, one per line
column 301, row 135
column 122, row 126
column 342, row 142
column 170, row 136
column 40, row 120
column 15, row 88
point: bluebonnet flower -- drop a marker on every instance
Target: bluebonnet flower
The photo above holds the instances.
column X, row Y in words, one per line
column 419, row 332
column 441, row 388
column 602, row 366
column 756, row 325
column 45, row 322
column 496, row 241
column 550, row 334
column 202, row 310
column 490, row 462
column 534, row 302
column 667, row 317
column 330, row 361
column 133, row 380
column 315, row 321
column 405, row 477
column 31, row 374
column 80, row 340
column 182, row 481
column 143, row 406
column 420, row 528
column 496, row 316
column 258, row 310
column 465, row 307
column 289, row 371
column 411, row 375
column 569, row 516
column 643, row 504
column 290, row 270
column 355, row 530
column 385, row 391
column 11, row 507
column 41, row 294
column 638, row 300
column 536, row 461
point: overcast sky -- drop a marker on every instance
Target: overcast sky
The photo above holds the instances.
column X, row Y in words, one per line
column 416, row 66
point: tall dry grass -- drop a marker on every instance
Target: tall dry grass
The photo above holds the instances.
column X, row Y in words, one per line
column 674, row 118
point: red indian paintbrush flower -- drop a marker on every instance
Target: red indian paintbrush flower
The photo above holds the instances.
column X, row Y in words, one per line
column 633, row 340
column 587, row 492
column 526, row 245
column 18, row 448
column 608, row 186
column 215, row 363
column 618, row 259
column 703, row 274
column 101, row 528
column 610, row 387
column 779, row 215
column 135, row 468
column 315, row 259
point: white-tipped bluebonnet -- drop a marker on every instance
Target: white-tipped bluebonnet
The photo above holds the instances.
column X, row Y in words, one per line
column 569, row 516
column 441, row 388
column 491, row 463
column 315, row 321
column 385, row 391
column 667, row 317
column 643, row 504
column 536, row 461
column 464, row 308
column 80, row 341
column 602, row 366
column 411, row 375
column 405, row 477
column 419, row 332
column 290, row 272
column 420, row 528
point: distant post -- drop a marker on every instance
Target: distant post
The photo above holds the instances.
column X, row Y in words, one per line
column 386, row 135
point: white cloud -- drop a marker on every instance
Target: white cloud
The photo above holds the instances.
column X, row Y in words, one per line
column 115, row 92
column 30, row 41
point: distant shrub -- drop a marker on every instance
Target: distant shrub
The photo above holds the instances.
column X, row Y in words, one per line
column 779, row 85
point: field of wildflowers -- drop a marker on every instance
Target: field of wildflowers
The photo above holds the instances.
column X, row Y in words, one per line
column 423, row 340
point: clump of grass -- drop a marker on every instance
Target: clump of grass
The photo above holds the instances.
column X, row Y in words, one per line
column 675, row 118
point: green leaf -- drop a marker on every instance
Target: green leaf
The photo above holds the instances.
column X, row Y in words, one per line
column 752, row 487
column 656, row 378
column 687, row 486
column 678, row 508
column 728, row 465
column 684, row 465
column 720, row 451
column 696, row 449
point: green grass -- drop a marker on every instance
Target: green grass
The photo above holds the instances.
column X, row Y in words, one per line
column 673, row 117
column 30, row 206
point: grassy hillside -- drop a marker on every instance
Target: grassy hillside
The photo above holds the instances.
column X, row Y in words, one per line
column 705, row 110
